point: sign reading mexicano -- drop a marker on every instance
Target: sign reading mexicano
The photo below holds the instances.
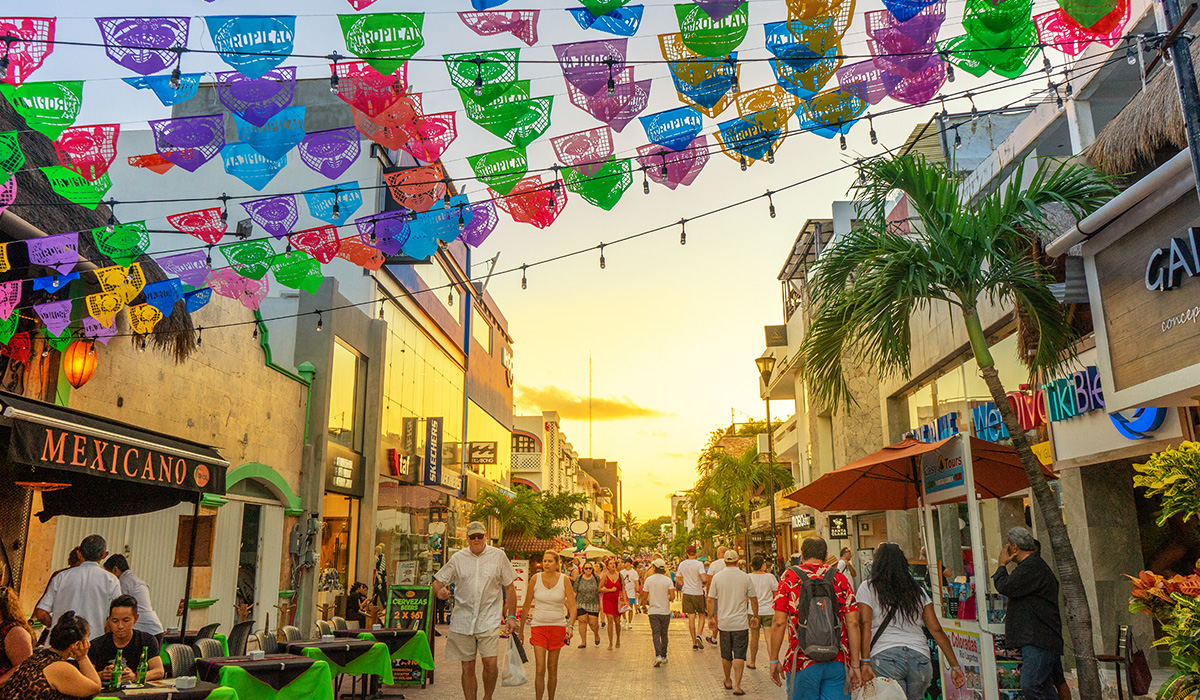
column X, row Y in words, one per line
column 69, row 450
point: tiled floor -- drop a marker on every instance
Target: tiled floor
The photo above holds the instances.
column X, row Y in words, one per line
column 627, row 673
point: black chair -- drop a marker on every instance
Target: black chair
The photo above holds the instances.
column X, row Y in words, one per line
column 207, row 631
column 1121, row 657
column 291, row 634
column 323, row 628
column 339, row 623
column 181, row 661
column 238, row 636
column 208, row 648
column 267, row 643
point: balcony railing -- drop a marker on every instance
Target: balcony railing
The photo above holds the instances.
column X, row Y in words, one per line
column 527, row 462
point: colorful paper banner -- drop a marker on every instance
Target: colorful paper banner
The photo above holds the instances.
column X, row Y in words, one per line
column 275, row 215
column 712, row 37
column 384, row 40
column 256, row 100
column 47, row 108
column 143, row 44
column 189, row 267
column 189, row 84
column 189, row 142
column 252, row 44
column 280, row 133
column 36, row 42
column 250, row 259
column 320, row 200
column 241, row 160
column 72, row 186
column 330, row 152
column 520, row 23
column 205, row 224
column 623, row 21
column 297, row 270
column 500, row 170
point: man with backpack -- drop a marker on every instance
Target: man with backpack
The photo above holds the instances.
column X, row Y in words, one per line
column 815, row 608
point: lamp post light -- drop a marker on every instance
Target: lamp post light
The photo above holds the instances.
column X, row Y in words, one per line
column 766, row 365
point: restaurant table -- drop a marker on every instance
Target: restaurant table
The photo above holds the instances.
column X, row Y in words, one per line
column 190, row 639
column 355, row 657
column 274, row 677
column 402, row 644
column 165, row 690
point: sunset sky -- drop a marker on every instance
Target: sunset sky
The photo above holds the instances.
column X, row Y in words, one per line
column 671, row 331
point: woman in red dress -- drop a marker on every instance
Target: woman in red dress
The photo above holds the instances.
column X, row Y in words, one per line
column 610, row 599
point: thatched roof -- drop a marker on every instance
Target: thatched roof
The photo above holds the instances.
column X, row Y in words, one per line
column 38, row 204
column 1147, row 131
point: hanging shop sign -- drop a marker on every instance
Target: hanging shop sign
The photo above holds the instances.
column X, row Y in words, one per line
column 482, row 452
column 408, row 435
column 942, row 473
column 776, row 336
column 839, row 529
column 802, row 522
column 432, row 475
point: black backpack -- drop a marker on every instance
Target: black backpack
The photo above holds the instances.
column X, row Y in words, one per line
column 817, row 626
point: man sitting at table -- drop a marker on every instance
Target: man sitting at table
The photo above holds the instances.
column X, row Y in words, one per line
column 122, row 616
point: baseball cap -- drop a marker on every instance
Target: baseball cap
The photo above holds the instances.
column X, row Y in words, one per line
column 658, row 564
column 731, row 556
column 626, row 558
column 691, row 549
column 476, row 528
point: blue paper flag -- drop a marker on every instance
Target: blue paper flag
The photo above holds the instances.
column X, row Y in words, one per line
column 189, row 83
column 252, row 44
column 623, row 21
column 784, row 42
column 486, row 4
column 197, row 299
column 54, row 283
column 320, row 202
column 831, row 112
column 806, row 83
column 163, row 295
column 438, row 224
column 745, row 136
column 708, row 92
column 250, row 166
column 673, row 129
column 280, row 134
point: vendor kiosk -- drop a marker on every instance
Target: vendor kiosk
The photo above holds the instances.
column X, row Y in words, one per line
column 959, row 530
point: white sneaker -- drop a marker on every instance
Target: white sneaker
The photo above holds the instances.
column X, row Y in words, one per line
column 658, row 661
column 664, row 659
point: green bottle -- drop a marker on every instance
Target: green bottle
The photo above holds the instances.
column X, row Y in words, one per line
column 144, row 666
column 115, row 681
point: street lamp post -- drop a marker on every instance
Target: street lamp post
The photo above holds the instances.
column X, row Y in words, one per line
column 766, row 365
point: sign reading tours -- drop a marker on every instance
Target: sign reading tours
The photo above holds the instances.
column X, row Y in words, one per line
column 59, row 448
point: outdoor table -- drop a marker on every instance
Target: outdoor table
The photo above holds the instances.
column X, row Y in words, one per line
column 402, row 644
column 355, row 657
column 190, row 638
column 165, row 690
column 275, row 677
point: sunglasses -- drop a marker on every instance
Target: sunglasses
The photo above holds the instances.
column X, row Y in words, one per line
column 474, row 537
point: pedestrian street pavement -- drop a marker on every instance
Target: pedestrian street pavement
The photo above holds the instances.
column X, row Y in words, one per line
column 627, row 673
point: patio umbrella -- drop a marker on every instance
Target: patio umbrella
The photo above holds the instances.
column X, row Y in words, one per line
column 890, row 479
column 592, row 552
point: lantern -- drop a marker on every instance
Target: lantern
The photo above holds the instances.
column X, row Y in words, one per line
column 79, row 362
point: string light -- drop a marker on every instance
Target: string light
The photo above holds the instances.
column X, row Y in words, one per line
column 224, row 207
column 320, row 321
column 462, row 223
column 742, row 162
column 949, row 66
column 612, row 84
column 334, row 80
column 479, row 61
column 771, row 155
column 450, row 297
column 874, row 136
column 381, row 309
column 601, row 256
column 842, row 141
column 1046, row 65
column 199, row 335
column 208, row 257
column 945, row 113
column 1130, row 55
column 770, row 205
column 974, row 109
column 683, row 232
column 176, row 74
column 731, row 61
column 112, row 216
column 524, row 284
column 254, row 335
column 645, row 181
column 957, row 138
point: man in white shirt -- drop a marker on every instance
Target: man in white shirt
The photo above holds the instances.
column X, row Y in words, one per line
column 630, row 580
column 729, row 593
column 691, row 572
column 660, row 592
column 87, row 589
column 483, row 595
column 147, row 619
column 714, row 569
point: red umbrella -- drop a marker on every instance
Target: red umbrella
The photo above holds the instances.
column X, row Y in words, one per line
column 890, row 479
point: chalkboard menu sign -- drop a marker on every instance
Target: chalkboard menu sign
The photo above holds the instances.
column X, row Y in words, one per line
column 410, row 608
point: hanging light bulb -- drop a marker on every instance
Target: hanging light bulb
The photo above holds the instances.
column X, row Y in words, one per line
column 874, row 136
column 199, row 335
column 601, row 256
column 224, row 208
column 176, row 78
column 742, row 162
column 1130, row 55
column 945, row 113
column 731, row 61
column 381, row 309
column 479, row 84
column 320, row 322
column 645, row 181
column 842, row 141
column 1070, row 91
column 683, row 232
column 450, row 297
column 208, row 258
column 612, row 83
column 770, row 205
column 974, row 109
column 54, row 282
column 524, row 284
column 771, row 155
column 254, row 335
column 462, row 223
column 287, row 249
column 112, row 223
column 957, row 138
column 334, row 80
column 336, row 213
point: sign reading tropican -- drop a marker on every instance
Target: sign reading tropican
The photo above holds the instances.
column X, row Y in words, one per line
column 1166, row 266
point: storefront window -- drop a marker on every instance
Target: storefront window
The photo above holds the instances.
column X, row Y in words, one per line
column 481, row 330
column 338, row 537
column 483, row 428
column 345, row 398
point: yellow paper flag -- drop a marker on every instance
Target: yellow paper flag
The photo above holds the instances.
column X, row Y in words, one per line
column 143, row 318
column 127, row 280
column 5, row 265
column 104, row 306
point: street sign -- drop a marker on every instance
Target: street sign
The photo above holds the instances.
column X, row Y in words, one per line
column 482, row 452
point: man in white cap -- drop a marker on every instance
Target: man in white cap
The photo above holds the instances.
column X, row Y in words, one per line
column 485, row 600
column 660, row 593
column 730, row 592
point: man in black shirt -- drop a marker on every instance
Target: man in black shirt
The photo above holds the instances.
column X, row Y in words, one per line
column 1032, row 623
column 122, row 615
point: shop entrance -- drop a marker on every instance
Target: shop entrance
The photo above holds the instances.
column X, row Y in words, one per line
column 339, row 538
column 248, row 556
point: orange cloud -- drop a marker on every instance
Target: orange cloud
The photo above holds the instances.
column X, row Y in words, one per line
column 574, row 407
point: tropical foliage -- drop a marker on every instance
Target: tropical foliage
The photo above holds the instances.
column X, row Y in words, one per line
column 1173, row 475
column 867, row 286
column 539, row 514
column 729, row 488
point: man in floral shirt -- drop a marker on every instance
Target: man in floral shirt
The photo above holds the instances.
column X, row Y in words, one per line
column 808, row 679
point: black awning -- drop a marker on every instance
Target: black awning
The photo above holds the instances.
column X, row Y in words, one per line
column 113, row 468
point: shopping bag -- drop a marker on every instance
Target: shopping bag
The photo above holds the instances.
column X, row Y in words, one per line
column 623, row 607
column 514, row 670
column 879, row 688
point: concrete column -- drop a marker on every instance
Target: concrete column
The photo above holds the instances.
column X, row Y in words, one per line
column 1080, row 125
column 373, row 455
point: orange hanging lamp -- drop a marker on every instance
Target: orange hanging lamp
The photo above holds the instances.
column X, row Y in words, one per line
column 79, row 362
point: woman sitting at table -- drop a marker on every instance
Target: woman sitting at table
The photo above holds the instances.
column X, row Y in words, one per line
column 16, row 636
column 354, row 604
column 49, row 673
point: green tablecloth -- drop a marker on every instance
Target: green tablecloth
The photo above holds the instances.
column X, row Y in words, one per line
column 314, row 684
column 203, row 690
column 375, row 662
column 416, row 649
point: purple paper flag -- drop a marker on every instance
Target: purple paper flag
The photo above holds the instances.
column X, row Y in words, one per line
column 97, row 331
column 592, row 66
column 719, row 9
column 387, row 231
column 60, row 252
column 10, row 296
column 189, row 142
column 483, row 221
column 674, row 168
column 189, row 267
column 257, row 99
column 864, row 79
column 275, row 215
column 330, row 152
column 55, row 314
column 143, row 44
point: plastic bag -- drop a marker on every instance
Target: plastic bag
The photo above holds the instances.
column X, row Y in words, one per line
column 513, row 670
column 879, row 688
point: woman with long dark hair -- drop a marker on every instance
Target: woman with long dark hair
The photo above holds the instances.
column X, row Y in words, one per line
column 16, row 636
column 891, row 609
column 61, row 671
column 610, row 597
column 587, row 600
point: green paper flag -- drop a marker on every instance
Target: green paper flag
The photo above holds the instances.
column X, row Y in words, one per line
column 501, row 170
column 599, row 8
column 8, row 327
column 72, row 186
column 384, row 40
column 488, row 73
column 513, row 116
column 712, row 38
column 124, row 243
column 61, row 341
column 11, row 156
column 605, row 187
column 47, row 108
column 250, row 259
column 298, row 270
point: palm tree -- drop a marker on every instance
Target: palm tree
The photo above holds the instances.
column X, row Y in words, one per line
column 743, row 480
column 519, row 513
column 867, row 286
column 623, row 526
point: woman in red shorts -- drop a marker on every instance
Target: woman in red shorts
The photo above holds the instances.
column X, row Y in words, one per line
column 552, row 623
column 610, row 599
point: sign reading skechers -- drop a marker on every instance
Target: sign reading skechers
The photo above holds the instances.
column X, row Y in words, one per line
column 1166, row 266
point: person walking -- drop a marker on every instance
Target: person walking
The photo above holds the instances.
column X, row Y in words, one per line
column 553, row 600
column 147, row 620
column 1032, row 623
column 730, row 592
column 610, row 596
column 587, row 603
column 16, row 636
column 660, row 593
column 711, row 570
column 484, row 594
column 765, row 585
column 844, row 565
column 631, row 581
column 86, row 589
column 815, row 608
column 691, row 572
column 61, row 671
column 892, row 607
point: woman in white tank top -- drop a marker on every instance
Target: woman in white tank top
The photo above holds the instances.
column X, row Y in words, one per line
column 553, row 621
